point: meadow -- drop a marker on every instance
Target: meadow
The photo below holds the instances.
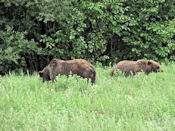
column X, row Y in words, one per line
column 137, row 103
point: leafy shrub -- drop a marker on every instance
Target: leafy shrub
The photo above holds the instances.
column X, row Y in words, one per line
column 34, row 32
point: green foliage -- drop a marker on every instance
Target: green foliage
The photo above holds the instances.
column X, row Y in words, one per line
column 14, row 49
column 154, row 36
column 98, row 31
column 141, row 102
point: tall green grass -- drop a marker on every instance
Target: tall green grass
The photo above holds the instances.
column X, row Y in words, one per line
column 120, row 103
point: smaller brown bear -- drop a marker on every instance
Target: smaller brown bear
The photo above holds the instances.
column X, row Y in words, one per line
column 133, row 67
column 79, row 67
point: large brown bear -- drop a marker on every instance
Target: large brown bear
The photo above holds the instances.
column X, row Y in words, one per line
column 133, row 67
column 79, row 67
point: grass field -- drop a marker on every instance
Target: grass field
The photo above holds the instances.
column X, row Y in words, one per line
column 138, row 103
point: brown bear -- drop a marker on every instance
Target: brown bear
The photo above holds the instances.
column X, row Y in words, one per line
column 133, row 67
column 79, row 67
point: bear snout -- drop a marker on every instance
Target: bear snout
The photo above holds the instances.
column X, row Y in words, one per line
column 160, row 70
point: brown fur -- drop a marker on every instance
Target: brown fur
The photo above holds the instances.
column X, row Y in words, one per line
column 79, row 67
column 133, row 67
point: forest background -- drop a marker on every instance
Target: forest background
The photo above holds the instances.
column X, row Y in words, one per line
column 100, row 31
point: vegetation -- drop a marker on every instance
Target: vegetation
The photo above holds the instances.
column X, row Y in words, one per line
column 33, row 32
column 120, row 103
column 100, row 31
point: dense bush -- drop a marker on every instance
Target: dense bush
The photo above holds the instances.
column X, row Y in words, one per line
column 34, row 32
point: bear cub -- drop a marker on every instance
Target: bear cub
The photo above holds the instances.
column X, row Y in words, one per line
column 133, row 67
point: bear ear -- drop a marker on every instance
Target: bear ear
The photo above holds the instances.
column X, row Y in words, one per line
column 149, row 62
column 40, row 73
